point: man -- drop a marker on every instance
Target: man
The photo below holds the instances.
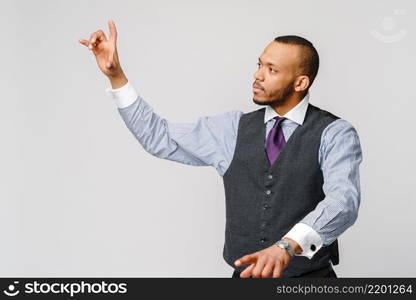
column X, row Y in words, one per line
column 290, row 169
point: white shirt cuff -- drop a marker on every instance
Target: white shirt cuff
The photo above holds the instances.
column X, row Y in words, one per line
column 307, row 238
column 124, row 96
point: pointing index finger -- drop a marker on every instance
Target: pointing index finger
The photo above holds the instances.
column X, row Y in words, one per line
column 84, row 42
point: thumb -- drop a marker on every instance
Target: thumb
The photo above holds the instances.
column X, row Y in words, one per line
column 113, row 31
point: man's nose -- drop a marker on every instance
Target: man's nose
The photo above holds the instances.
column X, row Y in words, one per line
column 258, row 75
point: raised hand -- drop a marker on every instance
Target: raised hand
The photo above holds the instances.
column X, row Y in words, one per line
column 105, row 51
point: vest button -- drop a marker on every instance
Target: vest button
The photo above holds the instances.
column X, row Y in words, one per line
column 265, row 206
column 262, row 240
column 268, row 192
column 270, row 176
column 263, row 225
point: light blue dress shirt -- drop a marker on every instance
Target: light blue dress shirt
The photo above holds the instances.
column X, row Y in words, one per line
column 211, row 141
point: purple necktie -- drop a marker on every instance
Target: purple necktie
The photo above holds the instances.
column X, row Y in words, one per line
column 275, row 140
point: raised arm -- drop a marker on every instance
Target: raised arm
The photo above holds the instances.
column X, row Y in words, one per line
column 210, row 141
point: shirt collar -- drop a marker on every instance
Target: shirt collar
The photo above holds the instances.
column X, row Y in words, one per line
column 296, row 114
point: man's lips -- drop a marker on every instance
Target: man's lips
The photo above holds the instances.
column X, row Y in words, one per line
column 257, row 88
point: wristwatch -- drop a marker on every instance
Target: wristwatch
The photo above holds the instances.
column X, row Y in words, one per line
column 285, row 245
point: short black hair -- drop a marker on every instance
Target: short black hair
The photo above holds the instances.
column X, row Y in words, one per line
column 309, row 63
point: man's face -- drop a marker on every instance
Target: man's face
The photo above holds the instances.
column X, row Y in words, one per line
column 276, row 73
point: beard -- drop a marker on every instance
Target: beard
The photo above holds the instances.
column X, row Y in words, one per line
column 279, row 98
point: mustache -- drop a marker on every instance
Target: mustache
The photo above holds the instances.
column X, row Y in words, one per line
column 256, row 85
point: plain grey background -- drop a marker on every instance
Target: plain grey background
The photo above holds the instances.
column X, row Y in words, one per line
column 80, row 197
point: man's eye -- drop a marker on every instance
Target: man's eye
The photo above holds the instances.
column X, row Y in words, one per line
column 272, row 70
column 258, row 65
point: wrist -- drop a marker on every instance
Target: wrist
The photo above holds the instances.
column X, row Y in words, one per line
column 295, row 246
column 286, row 247
column 118, row 80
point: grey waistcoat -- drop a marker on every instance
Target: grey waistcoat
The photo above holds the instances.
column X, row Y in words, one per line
column 260, row 208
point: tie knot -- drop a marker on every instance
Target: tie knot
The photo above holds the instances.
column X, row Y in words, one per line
column 279, row 119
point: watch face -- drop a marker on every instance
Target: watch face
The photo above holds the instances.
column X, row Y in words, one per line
column 285, row 243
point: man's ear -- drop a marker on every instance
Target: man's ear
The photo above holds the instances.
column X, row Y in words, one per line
column 301, row 83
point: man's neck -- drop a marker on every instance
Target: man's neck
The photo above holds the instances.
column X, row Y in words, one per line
column 287, row 104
